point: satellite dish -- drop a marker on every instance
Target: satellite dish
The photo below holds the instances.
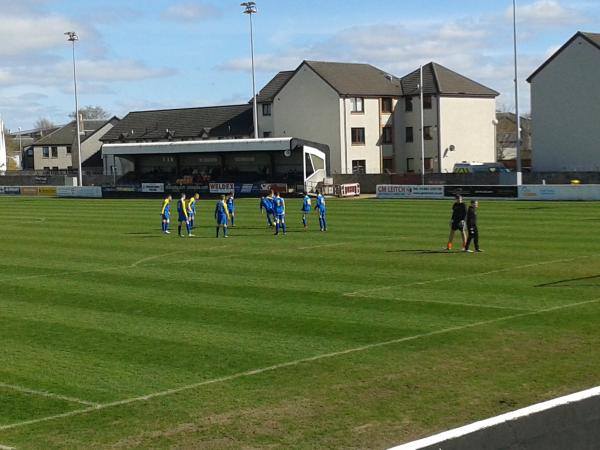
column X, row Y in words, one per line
column 452, row 148
column 287, row 153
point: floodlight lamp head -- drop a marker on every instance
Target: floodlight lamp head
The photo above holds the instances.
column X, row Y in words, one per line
column 250, row 7
column 71, row 36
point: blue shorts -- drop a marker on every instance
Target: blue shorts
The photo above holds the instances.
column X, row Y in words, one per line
column 221, row 219
column 182, row 217
column 270, row 212
column 280, row 217
column 166, row 217
column 322, row 213
column 305, row 211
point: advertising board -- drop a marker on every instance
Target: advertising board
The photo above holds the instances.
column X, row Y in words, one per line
column 153, row 187
column 79, row 191
column 482, row 191
column 221, row 188
column 29, row 190
column 47, row 191
column 559, row 192
column 10, row 190
column 409, row 191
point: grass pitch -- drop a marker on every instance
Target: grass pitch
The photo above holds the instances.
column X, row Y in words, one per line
column 369, row 335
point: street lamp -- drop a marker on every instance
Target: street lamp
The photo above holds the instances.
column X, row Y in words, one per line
column 518, row 119
column 72, row 37
column 250, row 8
column 20, row 147
column 422, row 126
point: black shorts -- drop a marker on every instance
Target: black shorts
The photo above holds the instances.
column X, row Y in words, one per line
column 460, row 225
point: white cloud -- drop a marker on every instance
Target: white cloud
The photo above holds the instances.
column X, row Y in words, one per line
column 191, row 12
column 547, row 14
column 20, row 34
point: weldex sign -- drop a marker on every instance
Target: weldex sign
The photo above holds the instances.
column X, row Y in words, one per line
column 221, row 188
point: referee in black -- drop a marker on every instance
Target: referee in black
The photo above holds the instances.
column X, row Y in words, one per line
column 457, row 222
column 472, row 227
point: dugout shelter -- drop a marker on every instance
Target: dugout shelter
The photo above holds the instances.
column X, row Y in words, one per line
column 290, row 161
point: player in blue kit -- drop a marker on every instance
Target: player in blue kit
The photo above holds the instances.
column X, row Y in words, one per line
column 322, row 211
column 222, row 215
column 191, row 206
column 165, row 214
column 183, row 216
column 267, row 205
column 231, row 209
column 305, row 209
column 279, row 207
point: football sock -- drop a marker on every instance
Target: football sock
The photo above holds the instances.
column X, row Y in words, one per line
column 163, row 225
column 225, row 231
column 277, row 228
column 304, row 221
column 324, row 224
column 217, row 231
column 284, row 228
column 232, row 221
column 189, row 228
column 179, row 229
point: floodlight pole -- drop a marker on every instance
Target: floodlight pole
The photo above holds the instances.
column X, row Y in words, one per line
column 72, row 37
column 422, row 126
column 20, row 148
column 250, row 8
column 517, row 117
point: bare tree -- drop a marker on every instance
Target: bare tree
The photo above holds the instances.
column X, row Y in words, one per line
column 91, row 113
column 44, row 124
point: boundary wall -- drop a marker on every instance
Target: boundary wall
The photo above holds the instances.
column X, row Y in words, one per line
column 566, row 192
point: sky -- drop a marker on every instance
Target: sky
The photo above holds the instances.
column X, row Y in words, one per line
column 155, row 54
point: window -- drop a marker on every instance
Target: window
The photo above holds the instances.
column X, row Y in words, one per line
column 45, row 152
column 358, row 136
column 266, row 134
column 359, row 166
column 46, row 168
column 408, row 104
column 427, row 102
column 386, row 135
column 55, row 168
column 266, row 108
column 386, row 105
column 388, row 165
column 409, row 134
column 428, row 164
column 68, row 149
column 427, row 135
column 410, row 164
column 55, row 152
column 358, row 104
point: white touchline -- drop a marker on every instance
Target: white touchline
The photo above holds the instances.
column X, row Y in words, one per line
column 47, row 394
column 440, row 302
column 5, row 447
column 497, row 420
column 297, row 362
column 359, row 293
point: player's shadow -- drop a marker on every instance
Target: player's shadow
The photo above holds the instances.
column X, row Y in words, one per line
column 565, row 283
column 423, row 251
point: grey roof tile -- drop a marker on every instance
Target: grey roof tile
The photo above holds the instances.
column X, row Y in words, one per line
column 267, row 93
column 184, row 123
column 357, row 79
column 439, row 80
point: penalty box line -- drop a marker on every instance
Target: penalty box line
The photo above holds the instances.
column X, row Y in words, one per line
column 47, row 394
column 294, row 363
column 360, row 293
